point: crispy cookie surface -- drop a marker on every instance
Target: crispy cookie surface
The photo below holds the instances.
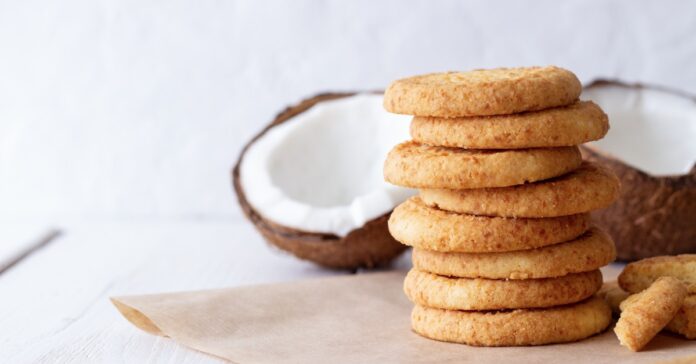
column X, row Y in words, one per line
column 411, row 164
column 683, row 323
column 585, row 189
column 513, row 328
column 645, row 314
column 574, row 124
column 436, row 291
column 590, row 251
column 415, row 224
column 613, row 294
column 483, row 92
column 639, row 275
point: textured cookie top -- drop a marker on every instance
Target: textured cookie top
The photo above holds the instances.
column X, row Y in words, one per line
column 416, row 165
column 437, row 291
column 483, row 92
column 513, row 327
column 588, row 252
column 587, row 188
column 574, row 124
column 639, row 275
column 645, row 314
column 415, row 224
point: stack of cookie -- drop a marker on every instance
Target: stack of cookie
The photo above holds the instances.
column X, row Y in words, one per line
column 504, row 252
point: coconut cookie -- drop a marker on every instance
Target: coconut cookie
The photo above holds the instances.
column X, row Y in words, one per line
column 415, row 224
column 613, row 294
column 645, row 314
column 436, row 291
column 483, row 92
column 592, row 250
column 417, row 165
column 683, row 323
column 639, row 275
column 590, row 187
column 513, row 328
column 574, row 124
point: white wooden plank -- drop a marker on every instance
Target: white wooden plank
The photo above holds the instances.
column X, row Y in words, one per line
column 18, row 239
column 54, row 306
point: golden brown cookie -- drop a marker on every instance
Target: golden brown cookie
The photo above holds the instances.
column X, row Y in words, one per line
column 483, row 92
column 645, row 314
column 683, row 323
column 613, row 294
column 574, row 124
column 416, row 165
column 639, row 275
column 590, row 251
column 513, row 328
column 436, row 291
column 587, row 188
column 417, row 225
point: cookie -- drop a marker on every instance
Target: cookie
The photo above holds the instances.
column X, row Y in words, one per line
column 614, row 295
column 683, row 323
column 417, row 225
column 639, row 275
column 585, row 189
column 436, row 291
column 513, row 328
column 483, row 92
column 592, row 250
column 645, row 314
column 574, row 124
column 416, row 165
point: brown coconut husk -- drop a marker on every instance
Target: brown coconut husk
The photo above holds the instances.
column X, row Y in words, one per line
column 654, row 215
column 368, row 246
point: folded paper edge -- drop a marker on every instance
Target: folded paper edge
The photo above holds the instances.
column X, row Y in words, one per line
column 137, row 318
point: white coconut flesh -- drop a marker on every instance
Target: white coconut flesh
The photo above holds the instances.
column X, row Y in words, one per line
column 321, row 171
column 650, row 129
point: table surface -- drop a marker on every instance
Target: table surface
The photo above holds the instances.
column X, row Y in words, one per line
column 55, row 305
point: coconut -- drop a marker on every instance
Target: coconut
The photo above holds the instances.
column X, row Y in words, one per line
column 651, row 146
column 311, row 182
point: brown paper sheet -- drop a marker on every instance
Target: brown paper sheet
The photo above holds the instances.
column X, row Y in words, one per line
column 349, row 319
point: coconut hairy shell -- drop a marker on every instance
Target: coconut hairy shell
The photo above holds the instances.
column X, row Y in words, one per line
column 654, row 215
column 365, row 247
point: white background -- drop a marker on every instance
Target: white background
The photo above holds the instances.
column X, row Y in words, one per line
column 137, row 109
column 120, row 121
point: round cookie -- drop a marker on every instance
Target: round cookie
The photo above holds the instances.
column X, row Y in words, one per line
column 410, row 164
column 574, row 124
column 415, row 224
column 639, row 275
column 592, row 250
column 590, row 187
column 513, row 328
column 483, row 92
column 480, row 294
column 645, row 314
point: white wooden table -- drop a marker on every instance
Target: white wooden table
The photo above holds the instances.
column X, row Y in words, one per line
column 54, row 304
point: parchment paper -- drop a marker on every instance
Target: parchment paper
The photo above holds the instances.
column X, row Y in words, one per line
column 350, row 319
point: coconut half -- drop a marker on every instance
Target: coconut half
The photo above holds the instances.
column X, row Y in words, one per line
column 311, row 182
column 651, row 146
